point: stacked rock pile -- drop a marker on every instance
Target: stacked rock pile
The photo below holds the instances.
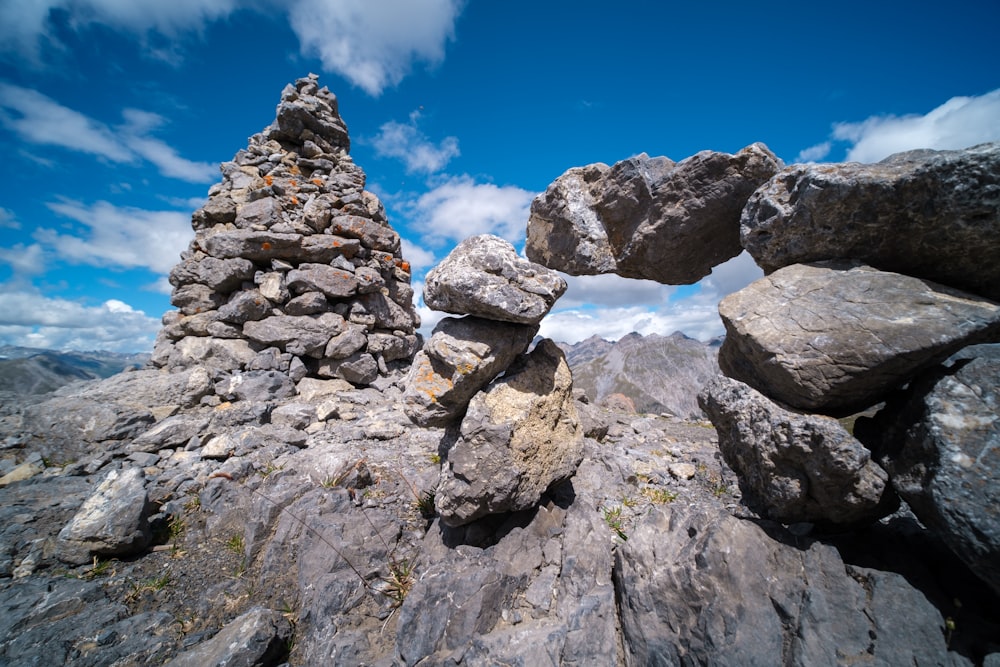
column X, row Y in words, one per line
column 294, row 270
column 877, row 275
column 519, row 434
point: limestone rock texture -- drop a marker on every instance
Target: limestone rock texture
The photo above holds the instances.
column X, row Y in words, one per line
column 792, row 467
column 648, row 217
column 519, row 437
column 837, row 336
column 290, row 251
column 484, row 276
column 461, row 357
column 940, row 442
column 929, row 214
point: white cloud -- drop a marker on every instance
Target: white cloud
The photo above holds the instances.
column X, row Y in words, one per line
column 27, row 318
column 372, row 44
column 41, row 120
column 459, row 207
column 24, row 260
column 612, row 290
column 731, row 276
column 418, row 257
column 8, row 220
column 120, row 237
column 958, row 123
column 696, row 318
column 404, row 141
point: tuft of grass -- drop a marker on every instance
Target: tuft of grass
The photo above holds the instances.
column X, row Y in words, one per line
column 629, row 501
column 425, row 505
column 660, row 496
column 400, row 580
column 613, row 517
column 236, row 544
column 99, row 569
column 435, row 459
column 270, row 469
column 148, row 586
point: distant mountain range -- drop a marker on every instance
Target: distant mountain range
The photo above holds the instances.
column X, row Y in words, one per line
column 28, row 370
column 658, row 373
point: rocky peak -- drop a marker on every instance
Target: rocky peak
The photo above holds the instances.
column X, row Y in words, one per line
column 294, row 270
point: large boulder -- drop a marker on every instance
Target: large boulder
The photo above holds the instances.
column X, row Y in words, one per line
column 257, row 637
column 519, row 436
column 113, row 521
column 834, row 337
column 484, row 276
column 793, row 467
column 698, row 586
column 931, row 214
column 461, row 357
column 648, row 217
column 940, row 443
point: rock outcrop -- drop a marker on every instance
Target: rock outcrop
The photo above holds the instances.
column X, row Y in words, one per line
column 294, row 268
column 835, row 337
column 927, row 214
column 648, row 217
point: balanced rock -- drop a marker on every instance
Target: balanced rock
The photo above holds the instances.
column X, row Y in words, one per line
column 940, row 443
column 461, row 357
column 930, row 214
column 484, row 276
column 648, row 217
column 834, row 336
column 519, row 436
column 793, row 467
column 113, row 521
column 289, row 252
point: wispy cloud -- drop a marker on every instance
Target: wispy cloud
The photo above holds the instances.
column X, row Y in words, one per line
column 24, row 260
column 405, row 142
column 958, row 123
column 373, row 44
column 459, row 207
column 39, row 119
column 120, row 237
column 30, row 319
column 8, row 220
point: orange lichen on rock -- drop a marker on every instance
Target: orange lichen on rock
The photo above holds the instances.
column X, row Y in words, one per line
column 269, row 180
column 265, row 246
column 317, row 181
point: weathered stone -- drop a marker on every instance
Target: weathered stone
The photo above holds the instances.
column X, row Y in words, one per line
column 26, row 470
column 385, row 313
column 484, row 276
column 691, row 591
column 174, row 431
column 345, row 344
column 245, row 306
column 302, row 335
column 309, row 303
column 334, row 283
column 394, row 346
column 836, row 336
column 940, row 442
column 371, row 234
column 359, row 368
column 111, row 522
column 258, row 637
column 369, row 280
column 301, row 116
column 218, row 210
column 212, row 353
column 265, row 246
column 222, row 275
column 196, row 298
column 648, row 217
column 930, row 214
column 460, row 358
column 272, row 287
column 310, row 389
column 257, row 386
column 792, row 467
column 519, row 436
column 265, row 211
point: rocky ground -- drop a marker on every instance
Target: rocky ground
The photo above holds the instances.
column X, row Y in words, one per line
column 313, row 527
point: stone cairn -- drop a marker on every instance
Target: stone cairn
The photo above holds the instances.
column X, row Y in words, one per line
column 881, row 288
column 294, row 270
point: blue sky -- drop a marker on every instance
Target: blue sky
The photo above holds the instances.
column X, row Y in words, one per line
column 114, row 115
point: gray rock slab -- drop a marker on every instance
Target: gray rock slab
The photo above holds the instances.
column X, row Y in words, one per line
column 217, row 354
column 793, row 467
column 257, row 638
column 332, row 282
column 519, row 436
column 300, row 335
column 484, row 276
column 265, row 246
column 111, row 522
column 940, row 443
column 371, row 234
column 647, row 217
column 245, row 306
column 222, row 275
column 174, row 431
column 461, row 357
column 836, row 336
column 931, row 214
column 256, row 386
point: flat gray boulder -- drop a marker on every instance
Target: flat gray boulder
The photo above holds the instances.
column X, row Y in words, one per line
column 931, row 214
column 484, row 276
column 257, row 638
column 461, row 357
column 648, row 217
column 793, row 467
column 941, row 446
column 519, row 436
column 834, row 337
column 300, row 335
column 113, row 521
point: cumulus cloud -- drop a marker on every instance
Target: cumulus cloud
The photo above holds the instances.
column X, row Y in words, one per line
column 418, row 257
column 372, row 44
column 39, row 119
column 29, row 319
column 612, row 290
column 958, row 123
column 24, row 260
column 121, row 237
column 458, row 208
column 405, row 141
